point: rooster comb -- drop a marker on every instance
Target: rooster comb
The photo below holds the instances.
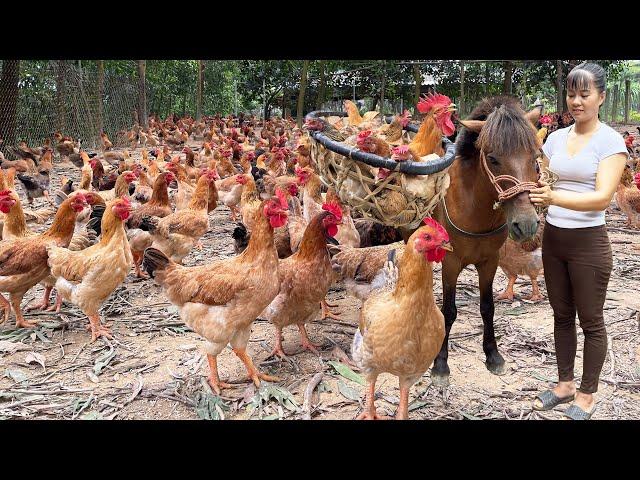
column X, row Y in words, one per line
column 282, row 197
column 431, row 100
column 334, row 209
column 364, row 134
column 433, row 223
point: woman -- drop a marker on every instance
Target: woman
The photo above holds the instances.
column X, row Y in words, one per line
column 589, row 158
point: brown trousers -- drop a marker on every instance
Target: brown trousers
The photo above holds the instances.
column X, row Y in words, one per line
column 577, row 265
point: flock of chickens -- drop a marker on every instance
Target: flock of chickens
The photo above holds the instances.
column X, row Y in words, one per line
column 148, row 206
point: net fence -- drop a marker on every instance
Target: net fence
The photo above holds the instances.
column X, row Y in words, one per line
column 38, row 98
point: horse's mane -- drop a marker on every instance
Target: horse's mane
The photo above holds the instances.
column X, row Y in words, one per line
column 508, row 116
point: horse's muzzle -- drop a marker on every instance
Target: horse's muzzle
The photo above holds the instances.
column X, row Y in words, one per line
column 523, row 227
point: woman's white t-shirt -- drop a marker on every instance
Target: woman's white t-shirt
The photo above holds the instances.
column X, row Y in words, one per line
column 578, row 172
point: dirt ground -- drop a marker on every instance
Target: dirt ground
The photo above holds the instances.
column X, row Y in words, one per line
column 155, row 367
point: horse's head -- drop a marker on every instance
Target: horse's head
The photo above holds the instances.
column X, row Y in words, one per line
column 507, row 141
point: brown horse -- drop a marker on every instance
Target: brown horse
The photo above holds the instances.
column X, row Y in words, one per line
column 501, row 132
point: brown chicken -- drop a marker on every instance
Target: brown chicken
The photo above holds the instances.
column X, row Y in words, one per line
column 401, row 328
column 221, row 300
column 121, row 188
column 304, row 279
column 628, row 199
column 438, row 121
column 23, row 262
column 363, row 269
column 176, row 234
column 185, row 188
column 106, row 143
column 159, row 207
column 88, row 277
column 522, row 258
column 249, row 200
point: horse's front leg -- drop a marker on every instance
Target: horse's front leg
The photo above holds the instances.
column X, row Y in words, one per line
column 451, row 268
column 486, row 272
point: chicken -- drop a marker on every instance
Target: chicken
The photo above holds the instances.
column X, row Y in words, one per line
column 22, row 165
column 393, row 132
column 23, row 261
column 88, row 277
column 374, row 233
column 106, row 143
column 311, row 194
column 628, row 199
column 185, row 188
column 121, row 188
column 437, row 122
column 230, row 194
column 347, row 231
column 36, row 182
column 401, row 329
column 249, row 200
column 14, row 222
column 356, row 120
column 114, row 158
column 159, row 207
column 65, row 146
column 304, row 279
column 522, row 259
column 144, row 189
column 176, row 234
column 363, row 269
column 321, row 125
column 296, row 224
column 220, row 300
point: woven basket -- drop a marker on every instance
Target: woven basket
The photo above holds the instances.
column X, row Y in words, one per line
column 415, row 187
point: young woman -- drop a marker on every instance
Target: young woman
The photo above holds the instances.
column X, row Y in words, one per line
column 589, row 158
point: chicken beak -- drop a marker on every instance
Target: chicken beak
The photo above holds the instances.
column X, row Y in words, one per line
column 446, row 246
column 452, row 107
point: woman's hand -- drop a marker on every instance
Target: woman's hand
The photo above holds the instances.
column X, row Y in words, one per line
column 542, row 196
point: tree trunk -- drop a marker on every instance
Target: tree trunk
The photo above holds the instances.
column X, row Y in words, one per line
column 607, row 108
column 417, row 77
column 199, row 90
column 303, row 87
column 321, row 87
column 559, row 92
column 9, row 92
column 184, row 103
column 627, row 99
column 487, row 78
column 461, row 101
column 508, row 73
column 375, row 103
column 100, row 97
column 142, row 94
column 61, row 89
column 614, row 109
column 382, row 85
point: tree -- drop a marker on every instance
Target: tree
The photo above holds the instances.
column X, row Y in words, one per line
column 142, row 95
column 303, row 86
column 100, row 96
column 9, row 97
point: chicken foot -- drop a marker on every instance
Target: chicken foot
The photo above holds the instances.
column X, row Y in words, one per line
column 137, row 261
column 277, row 350
column 508, row 292
column 254, row 373
column 305, row 342
column 535, row 296
column 403, row 407
column 214, row 379
column 44, row 304
column 97, row 329
column 20, row 321
column 370, row 407
column 326, row 313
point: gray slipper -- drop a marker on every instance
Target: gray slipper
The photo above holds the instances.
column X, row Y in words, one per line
column 550, row 400
column 574, row 412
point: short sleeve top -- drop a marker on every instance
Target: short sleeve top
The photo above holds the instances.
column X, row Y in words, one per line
column 577, row 173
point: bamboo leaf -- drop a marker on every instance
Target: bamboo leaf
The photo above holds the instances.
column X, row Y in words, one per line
column 347, row 373
column 348, row 392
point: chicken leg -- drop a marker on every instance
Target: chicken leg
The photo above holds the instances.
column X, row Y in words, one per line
column 370, row 407
column 254, row 373
column 97, row 329
column 305, row 342
column 137, row 261
column 326, row 313
column 508, row 292
column 277, row 350
column 403, row 407
column 535, row 296
column 20, row 321
column 214, row 379
column 44, row 304
column 6, row 306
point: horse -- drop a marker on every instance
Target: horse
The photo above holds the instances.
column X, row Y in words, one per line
column 496, row 145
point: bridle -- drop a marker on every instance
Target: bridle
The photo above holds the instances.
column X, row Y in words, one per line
column 517, row 188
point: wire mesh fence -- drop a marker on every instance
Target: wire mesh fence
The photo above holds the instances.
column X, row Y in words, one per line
column 38, row 98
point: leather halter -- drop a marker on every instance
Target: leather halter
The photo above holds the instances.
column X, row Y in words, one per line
column 517, row 188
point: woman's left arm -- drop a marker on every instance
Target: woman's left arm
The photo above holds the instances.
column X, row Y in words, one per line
column 607, row 179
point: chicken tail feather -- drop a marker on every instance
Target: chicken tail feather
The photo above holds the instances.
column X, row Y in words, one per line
column 148, row 224
column 154, row 261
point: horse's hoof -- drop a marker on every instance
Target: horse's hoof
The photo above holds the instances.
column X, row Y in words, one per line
column 497, row 368
column 440, row 379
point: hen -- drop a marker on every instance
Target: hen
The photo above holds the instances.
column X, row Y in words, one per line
column 628, row 199
column 220, row 300
column 23, row 261
column 88, row 277
column 305, row 278
column 401, row 329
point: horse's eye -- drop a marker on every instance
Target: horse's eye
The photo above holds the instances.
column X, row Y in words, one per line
column 493, row 160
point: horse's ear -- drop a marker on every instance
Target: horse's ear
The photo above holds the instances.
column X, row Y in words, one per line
column 534, row 115
column 473, row 125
